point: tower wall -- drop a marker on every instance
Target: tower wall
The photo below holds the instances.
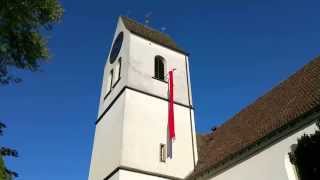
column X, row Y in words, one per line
column 145, row 128
column 132, row 118
column 141, row 69
column 123, row 174
column 106, row 99
column 107, row 147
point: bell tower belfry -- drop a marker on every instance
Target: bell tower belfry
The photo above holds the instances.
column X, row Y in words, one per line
column 131, row 137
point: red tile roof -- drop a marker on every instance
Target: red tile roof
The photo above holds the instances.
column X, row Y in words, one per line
column 292, row 98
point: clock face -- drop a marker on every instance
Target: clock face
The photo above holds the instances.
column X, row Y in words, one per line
column 116, row 47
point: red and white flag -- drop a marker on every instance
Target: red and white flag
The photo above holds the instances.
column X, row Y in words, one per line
column 171, row 110
column 171, row 131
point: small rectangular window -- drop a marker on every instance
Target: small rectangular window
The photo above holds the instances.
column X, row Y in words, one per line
column 163, row 153
column 111, row 77
column 109, row 82
column 159, row 66
column 119, row 68
column 117, row 73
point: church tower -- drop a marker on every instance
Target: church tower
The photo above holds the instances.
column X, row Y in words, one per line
column 131, row 137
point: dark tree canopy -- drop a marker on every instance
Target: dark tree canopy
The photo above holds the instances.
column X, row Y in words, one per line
column 5, row 173
column 306, row 157
column 22, row 43
column 23, row 46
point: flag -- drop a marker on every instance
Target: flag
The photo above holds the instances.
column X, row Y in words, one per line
column 170, row 129
column 171, row 110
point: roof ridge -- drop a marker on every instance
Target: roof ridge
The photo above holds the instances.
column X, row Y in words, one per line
column 151, row 34
column 145, row 25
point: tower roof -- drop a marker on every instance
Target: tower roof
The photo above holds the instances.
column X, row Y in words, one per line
column 291, row 100
column 151, row 34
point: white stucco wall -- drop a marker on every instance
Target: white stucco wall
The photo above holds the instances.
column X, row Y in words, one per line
column 141, row 69
column 131, row 131
column 268, row 164
column 124, row 55
column 116, row 176
column 107, row 145
column 145, row 127
column 128, row 175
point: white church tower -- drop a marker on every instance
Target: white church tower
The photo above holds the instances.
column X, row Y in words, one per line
column 131, row 141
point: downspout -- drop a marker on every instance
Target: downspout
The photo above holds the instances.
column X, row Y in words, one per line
column 190, row 113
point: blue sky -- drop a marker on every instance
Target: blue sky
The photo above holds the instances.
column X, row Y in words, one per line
column 239, row 51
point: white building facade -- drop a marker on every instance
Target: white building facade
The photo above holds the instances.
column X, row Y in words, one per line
column 270, row 163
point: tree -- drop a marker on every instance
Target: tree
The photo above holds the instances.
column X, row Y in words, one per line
column 23, row 45
column 5, row 173
column 305, row 156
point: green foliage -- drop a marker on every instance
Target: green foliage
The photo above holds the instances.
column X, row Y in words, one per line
column 6, row 174
column 22, row 45
column 3, row 174
column 2, row 126
column 306, row 157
